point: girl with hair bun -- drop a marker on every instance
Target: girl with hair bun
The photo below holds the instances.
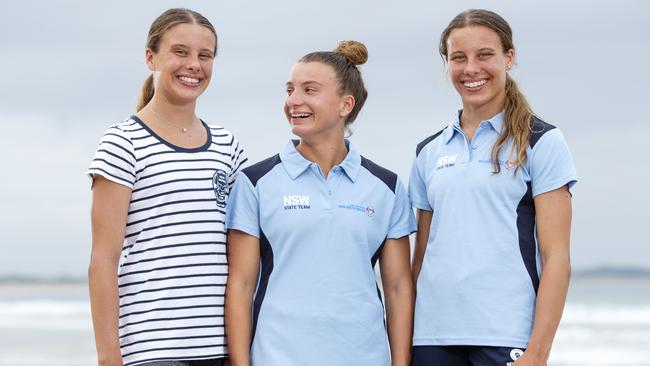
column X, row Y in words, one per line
column 305, row 229
column 493, row 194
column 161, row 179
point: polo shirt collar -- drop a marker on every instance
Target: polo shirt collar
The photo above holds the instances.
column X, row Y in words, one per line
column 295, row 164
column 495, row 122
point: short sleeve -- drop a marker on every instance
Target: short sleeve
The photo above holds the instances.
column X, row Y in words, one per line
column 402, row 221
column 242, row 211
column 239, row 160
column 417, row 190
column 550, row 164
column 115, row 158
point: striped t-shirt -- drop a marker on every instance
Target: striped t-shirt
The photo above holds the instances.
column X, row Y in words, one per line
column 173, row 268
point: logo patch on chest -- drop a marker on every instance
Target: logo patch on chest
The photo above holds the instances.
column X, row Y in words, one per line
column 220, row 186
column 446, row 161
column 368, row 210
column 296, row 202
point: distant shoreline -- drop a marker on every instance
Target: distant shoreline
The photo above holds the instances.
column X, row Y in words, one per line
column 595, row 273
column 612, row 272
column 37, row 280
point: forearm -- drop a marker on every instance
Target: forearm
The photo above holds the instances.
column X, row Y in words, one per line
column 551, row 297
column 239, row 323
column 102, row 281
column 399, row 318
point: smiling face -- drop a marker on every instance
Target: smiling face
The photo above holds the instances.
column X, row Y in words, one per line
column 314, row 106
column 183, row 64
column 478, row 67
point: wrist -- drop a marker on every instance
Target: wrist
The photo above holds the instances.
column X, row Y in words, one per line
column 537, row 353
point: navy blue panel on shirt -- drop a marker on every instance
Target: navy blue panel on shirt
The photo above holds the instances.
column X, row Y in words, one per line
column 526, row 231
column 389, row 178
column 258, row 170
column 538, row 130
column 375, row 256
column 424, row 142
column 266, row 257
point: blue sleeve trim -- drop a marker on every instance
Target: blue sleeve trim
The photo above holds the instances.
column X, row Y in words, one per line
column 539, row 128
column 389, row 178
column 258, row 170
column 424, row 142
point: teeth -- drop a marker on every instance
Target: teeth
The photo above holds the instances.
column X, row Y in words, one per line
column 300, row 115
column 475, row 83
column 189, row 80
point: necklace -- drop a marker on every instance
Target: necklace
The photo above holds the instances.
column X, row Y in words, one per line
column 183, row 129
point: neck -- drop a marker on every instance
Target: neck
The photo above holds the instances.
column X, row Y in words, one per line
column 181, row 115
column 472, row 116
column 326, row 154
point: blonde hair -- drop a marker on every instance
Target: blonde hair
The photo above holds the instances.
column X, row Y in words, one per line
column 164, row 22
column 518, row 116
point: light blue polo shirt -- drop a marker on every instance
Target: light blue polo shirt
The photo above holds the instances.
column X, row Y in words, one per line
column 481, row 267
column 317, row 301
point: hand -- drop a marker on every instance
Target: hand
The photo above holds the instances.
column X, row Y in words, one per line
column 528, row 359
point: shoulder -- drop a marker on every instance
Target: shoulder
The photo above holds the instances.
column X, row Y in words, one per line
column 217, row 131
column 258, row 170
column 428, row 140
column 122, row 133
column 386, row 176
column 539, row 128
column 221, row 135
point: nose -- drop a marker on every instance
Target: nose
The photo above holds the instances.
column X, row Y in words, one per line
column 193, row 63
column 294, row 99
column 471, row 67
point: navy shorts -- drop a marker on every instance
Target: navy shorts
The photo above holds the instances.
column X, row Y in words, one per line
column 465, row 355
column 211, row 362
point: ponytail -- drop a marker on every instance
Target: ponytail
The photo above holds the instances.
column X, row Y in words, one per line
column 146, row 93
column 517, row 124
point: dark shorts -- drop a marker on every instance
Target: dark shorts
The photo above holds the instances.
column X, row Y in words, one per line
column 211, row 362
column 465, row 355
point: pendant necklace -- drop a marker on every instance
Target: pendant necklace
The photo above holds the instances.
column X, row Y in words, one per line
column 183, row 129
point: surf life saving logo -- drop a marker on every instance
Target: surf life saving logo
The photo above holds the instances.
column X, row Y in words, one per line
column 296, row 202
column 446, row 161
column 515, row 354
column 368, row 210
column 220, row 185
column 510, row 164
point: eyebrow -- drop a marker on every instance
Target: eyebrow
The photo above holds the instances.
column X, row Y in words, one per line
column 306, row 82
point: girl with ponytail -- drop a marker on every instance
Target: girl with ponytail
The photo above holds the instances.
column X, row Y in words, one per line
column 306, row 228
column 492, row 192
column 161, row 180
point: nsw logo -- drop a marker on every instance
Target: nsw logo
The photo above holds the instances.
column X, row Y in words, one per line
column 220, row 186
column 446, row 161
column 296, row 202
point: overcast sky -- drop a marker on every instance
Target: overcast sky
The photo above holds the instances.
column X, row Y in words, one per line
column 72, row 68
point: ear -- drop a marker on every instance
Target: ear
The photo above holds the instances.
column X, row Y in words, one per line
column 149, row 58
column 510, row 58
column 347, row 104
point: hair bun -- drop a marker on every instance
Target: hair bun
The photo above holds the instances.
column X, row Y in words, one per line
column 355, row 52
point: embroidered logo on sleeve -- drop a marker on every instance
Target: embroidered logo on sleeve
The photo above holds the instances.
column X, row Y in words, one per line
column 220, row 185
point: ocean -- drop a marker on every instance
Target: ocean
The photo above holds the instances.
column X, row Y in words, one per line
column 606, row 322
